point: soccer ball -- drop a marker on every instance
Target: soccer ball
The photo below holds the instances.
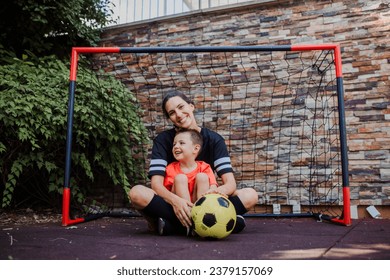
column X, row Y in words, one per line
column 213, row 216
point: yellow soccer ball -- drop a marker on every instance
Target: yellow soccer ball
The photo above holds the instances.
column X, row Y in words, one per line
column 213, row 216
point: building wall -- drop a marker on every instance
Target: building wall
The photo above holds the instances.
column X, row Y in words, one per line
column 362, row 28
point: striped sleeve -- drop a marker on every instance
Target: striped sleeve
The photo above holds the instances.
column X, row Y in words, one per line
column 157, row 167
column 218, row 153
column 161, row 153
column 223, row 165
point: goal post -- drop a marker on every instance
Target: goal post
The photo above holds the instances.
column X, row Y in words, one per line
column 280, row 109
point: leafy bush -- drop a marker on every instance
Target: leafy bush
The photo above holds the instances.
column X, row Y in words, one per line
column 51, row 26
column 107, row 132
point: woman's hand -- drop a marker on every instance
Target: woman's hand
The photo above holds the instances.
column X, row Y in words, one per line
column 181, row 206
column 228, row 187
column 182, row 210
column 215, row 189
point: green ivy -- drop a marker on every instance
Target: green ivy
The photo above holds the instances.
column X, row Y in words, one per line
column 107, row 131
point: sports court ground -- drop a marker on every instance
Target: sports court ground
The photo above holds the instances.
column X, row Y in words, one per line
column 263, row 239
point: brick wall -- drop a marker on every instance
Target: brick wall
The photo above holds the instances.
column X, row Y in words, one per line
column 362, row 29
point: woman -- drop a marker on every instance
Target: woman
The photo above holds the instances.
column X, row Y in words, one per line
column 160, row 205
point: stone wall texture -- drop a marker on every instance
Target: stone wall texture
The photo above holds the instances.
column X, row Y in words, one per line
column 361, row 28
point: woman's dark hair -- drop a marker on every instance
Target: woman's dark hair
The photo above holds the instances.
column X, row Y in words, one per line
column 171, row 94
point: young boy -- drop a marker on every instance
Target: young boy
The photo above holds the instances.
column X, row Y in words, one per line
column 186, row 177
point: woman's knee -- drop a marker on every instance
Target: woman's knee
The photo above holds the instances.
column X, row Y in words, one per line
column 248, row 197
column 140, row 196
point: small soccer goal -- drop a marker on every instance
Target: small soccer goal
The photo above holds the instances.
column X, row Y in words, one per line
column 279, row 108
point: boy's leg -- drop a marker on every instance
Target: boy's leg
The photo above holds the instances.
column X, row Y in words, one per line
column 201, row 186
column 180, row 186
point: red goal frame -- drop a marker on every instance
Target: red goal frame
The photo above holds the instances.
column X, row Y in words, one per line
column 345, row 218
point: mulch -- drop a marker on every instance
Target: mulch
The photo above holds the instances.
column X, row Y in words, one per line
column 128, row 239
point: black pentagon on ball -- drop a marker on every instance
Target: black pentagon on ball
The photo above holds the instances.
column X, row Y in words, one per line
column 230, row 225
column 223, row 202
column 200, row 201
column 209, row 219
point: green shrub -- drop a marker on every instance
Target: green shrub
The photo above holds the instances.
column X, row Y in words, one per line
column 107, row 133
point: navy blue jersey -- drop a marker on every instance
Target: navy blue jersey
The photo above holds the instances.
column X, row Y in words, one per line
column 214, row 152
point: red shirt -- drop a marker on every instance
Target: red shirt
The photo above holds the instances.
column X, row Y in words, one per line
column 174, row 168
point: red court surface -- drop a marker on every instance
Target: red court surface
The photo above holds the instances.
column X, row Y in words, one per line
column 263, row 239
